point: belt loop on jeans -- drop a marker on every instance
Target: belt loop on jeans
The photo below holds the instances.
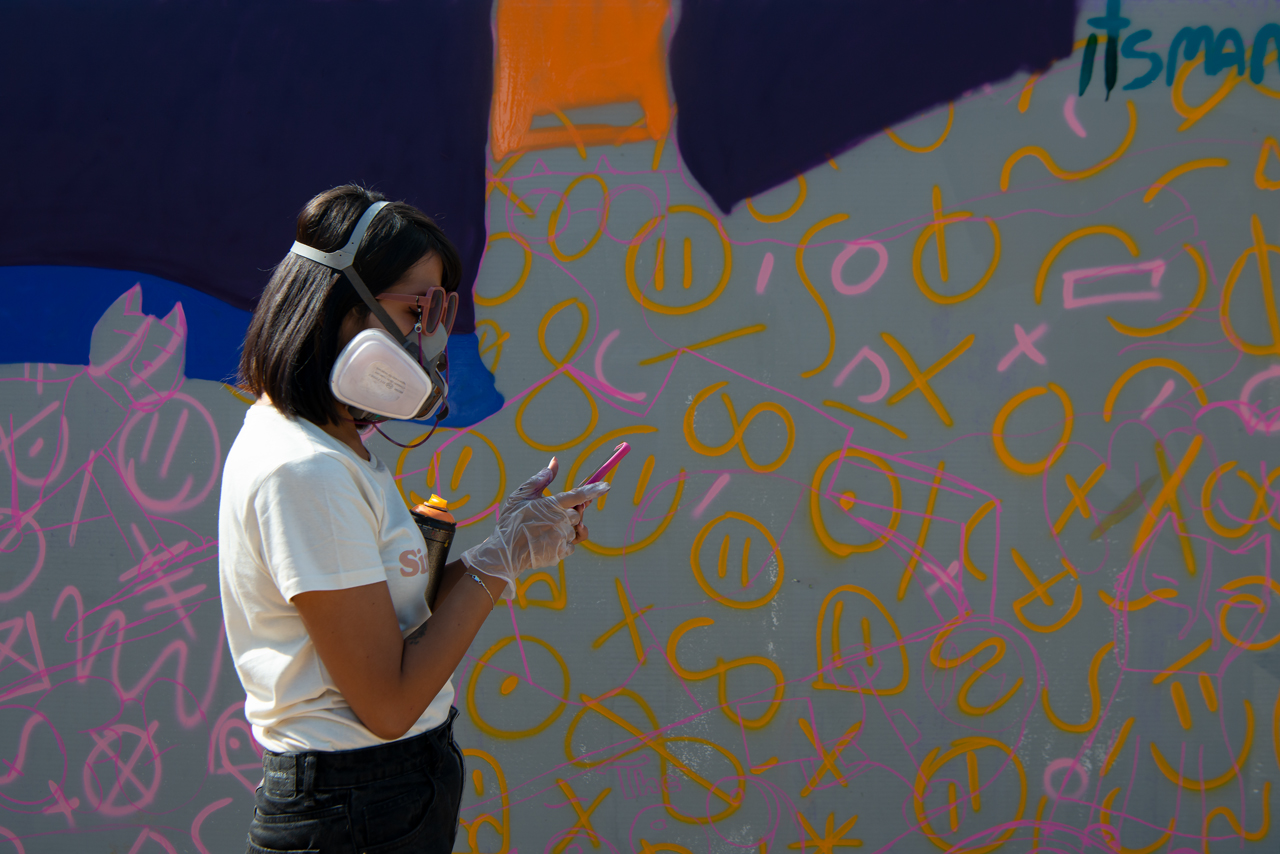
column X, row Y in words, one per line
column 308, row 782
column 280, row 774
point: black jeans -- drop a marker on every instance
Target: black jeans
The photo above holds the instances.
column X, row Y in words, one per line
column 394, row 798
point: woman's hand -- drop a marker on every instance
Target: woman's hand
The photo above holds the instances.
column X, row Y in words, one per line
column 533, row 530
column 533, row 487
column 389, row 679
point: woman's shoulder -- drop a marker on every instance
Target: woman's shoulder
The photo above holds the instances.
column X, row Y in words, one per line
column 271, row 445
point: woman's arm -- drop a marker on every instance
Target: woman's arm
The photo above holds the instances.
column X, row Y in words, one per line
column 388, row 680
column 450, row 576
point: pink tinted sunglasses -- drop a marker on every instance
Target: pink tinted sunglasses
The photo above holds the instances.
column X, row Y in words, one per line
column 435, row 307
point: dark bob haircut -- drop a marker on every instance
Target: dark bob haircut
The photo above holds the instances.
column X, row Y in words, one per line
column 292, row 341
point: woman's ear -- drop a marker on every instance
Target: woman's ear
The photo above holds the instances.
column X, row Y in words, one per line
column 351, row 325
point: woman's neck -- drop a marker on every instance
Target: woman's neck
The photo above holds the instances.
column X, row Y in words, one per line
column 345, row 431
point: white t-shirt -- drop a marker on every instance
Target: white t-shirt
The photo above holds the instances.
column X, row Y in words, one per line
column 301, row 511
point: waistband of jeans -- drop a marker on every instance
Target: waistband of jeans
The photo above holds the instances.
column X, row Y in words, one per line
column 288, row 775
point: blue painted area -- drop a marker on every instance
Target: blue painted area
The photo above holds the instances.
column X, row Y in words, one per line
column 472, row 395
column 48, row 315
column 1129, row 50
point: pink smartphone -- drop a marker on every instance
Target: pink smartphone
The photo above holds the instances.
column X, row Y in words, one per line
column 609, row 464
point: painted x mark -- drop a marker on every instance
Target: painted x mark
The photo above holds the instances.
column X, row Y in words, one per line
column 828, row 759
column 832, row 838
column 1079, row 496
column 584, row 817
column 920, row 380
column 1168, row 492
column 123, row 768
column 1026, row 344
column 628, row 620
column 494, row 179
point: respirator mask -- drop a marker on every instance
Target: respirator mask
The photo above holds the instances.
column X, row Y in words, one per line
column 381, row 374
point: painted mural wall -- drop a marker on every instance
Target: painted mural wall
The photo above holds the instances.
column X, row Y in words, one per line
column 948, row 522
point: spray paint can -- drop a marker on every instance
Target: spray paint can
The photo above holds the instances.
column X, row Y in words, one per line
column 438, row 527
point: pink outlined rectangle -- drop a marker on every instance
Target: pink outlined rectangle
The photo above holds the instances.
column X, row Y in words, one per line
column 1072, row 277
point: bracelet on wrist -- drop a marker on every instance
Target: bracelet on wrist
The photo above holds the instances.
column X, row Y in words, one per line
column 492, row 602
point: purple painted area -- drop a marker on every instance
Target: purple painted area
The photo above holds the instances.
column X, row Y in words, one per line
column 180, row 139
column 768, row 89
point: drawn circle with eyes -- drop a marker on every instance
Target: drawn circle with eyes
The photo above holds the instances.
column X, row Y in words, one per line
column 656, row 226
column 510, row 683
column 747, row 576
column 433, row 462
column 847, row 460
column 160, row 462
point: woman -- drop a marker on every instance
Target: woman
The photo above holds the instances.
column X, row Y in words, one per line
column 347, row 680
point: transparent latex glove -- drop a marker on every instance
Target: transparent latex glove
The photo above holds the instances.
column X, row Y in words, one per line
column 533, row 530
column 531, row 488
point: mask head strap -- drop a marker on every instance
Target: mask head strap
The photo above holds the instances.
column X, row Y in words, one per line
column 343, row 260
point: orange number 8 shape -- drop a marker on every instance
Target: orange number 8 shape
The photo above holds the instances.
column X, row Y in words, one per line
column 721, row 671
column 739, row 428
column 559, row 363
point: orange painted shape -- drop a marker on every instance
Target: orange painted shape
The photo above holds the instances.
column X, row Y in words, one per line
column 1208, row 692
column 1200, row 650
column 924, row 532
column 1259, row 175
column 1116, row 746
column 1275, row 728
column 1238, row 760
column 1225, row 812
column 559, row 55
column 1079, row 497
column 1112, row 835
column 1196, row 113
column 1028, row 88
column 1261, row 252
column 1179, row 698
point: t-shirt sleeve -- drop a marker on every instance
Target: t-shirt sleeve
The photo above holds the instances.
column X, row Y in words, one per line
column 318, row 530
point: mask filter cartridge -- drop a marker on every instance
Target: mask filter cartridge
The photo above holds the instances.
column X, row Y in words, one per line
column 374, row 373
